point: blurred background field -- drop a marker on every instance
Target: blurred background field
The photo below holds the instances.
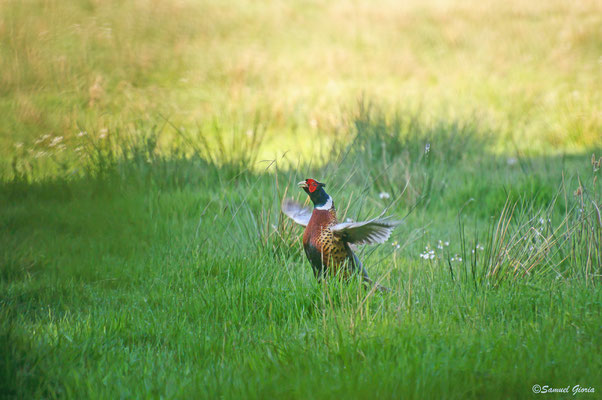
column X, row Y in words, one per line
column 530, row 71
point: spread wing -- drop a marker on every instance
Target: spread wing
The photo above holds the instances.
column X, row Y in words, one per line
column 296, row 212
column 376, row 230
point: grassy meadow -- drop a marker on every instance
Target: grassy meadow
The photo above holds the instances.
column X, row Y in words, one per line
column 146, row 147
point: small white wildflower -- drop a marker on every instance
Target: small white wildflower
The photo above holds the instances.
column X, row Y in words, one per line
column 511, row 161
column 446, row 243
column 472, row 251
column 428, row 254
column 480, row 247
column 102, row 135
column 82, row 133
column 427, row 148
column 384, row 195
column 541, row 221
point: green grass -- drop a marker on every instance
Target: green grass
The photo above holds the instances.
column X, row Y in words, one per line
column 131, row 272
column 145, row 149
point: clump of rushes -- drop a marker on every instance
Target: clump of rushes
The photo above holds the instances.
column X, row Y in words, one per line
column 387, row 149
column 523, row 242
column 586, row 241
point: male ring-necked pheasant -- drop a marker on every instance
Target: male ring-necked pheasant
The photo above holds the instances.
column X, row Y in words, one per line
column 327, row 241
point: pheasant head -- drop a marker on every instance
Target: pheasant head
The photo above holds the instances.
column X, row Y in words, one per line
column 317, row 194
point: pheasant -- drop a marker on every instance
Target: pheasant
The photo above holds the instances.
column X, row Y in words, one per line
column 327, row 242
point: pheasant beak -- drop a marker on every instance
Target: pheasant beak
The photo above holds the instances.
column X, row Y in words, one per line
column 302, row 184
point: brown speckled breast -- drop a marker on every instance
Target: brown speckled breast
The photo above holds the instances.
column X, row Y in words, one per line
column 322, row 247
column 334, row 252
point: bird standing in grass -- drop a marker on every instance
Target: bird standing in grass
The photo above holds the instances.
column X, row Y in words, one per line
column 327, row 242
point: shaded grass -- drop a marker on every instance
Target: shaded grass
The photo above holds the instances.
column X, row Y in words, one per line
column 138, row 272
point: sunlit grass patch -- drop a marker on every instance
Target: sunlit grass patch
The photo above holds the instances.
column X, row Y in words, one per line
column 529, row 72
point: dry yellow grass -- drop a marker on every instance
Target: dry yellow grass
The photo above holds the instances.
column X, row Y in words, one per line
column 531, row 71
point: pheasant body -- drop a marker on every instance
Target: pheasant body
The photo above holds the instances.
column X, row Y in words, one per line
column 327, row 252
column 327, row 242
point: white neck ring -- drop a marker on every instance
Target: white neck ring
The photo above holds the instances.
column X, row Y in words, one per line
column 325, row 206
